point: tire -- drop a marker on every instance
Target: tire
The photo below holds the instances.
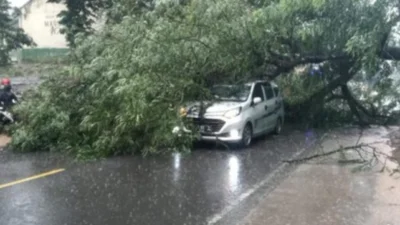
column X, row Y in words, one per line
column 247, row 136
column 278, row 126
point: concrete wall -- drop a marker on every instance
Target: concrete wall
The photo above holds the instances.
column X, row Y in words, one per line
column 39, row 20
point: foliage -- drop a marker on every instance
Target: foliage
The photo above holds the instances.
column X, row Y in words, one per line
column 379, row 93
column 79, row 16
column 122, row 93
column 11, row 36
column 122, row 8
column 297, row 85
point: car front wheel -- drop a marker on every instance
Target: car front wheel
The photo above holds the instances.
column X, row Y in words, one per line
column 247, row 136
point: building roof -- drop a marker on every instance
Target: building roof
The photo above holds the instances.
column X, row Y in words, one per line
column 27, row 3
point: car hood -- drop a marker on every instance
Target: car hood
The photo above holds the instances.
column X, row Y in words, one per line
column 213, row 108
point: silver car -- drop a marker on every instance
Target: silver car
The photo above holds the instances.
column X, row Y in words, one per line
column 240, row 113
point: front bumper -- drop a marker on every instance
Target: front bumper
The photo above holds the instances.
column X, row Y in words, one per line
column 223, row 139
column 229, row 131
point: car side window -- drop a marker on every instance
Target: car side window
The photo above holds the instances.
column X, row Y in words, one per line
column 258, row 92
column 268, row 91
column 276, row 90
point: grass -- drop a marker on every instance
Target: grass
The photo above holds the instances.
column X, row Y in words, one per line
column 30, row 69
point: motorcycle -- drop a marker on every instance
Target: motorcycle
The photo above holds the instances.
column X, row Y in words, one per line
column 6, row 117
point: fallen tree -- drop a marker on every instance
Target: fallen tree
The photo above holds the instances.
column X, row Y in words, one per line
column 123, row 90
column 336, row 90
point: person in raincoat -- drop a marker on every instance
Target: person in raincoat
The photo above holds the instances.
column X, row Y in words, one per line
column 7, row 97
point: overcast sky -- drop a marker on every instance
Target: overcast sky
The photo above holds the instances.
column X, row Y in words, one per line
column 17, row 3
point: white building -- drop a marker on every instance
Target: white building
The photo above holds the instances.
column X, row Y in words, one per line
column 39, row 20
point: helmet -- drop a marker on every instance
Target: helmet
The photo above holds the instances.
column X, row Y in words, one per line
column 5, row 81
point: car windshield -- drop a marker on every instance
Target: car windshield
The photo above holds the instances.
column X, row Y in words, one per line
column 231, row 92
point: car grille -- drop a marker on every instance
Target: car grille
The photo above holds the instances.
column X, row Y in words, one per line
column 214, row 124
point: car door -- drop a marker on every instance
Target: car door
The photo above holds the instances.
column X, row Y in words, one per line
column 272, row 106
column 258, row 111
column 279, row 100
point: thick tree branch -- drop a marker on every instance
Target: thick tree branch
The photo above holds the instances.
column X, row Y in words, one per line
column 344, row 76
column 334, row 97
column 390, row 53
column 353, row 105
column 285, row 66
column 364, row 115
column 311, row 107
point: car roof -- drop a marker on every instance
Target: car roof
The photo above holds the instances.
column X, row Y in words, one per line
column 263, row 81
column 273, row 84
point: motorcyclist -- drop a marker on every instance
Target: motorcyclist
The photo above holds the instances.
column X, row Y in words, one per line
column 4, row 82
column 7, row 97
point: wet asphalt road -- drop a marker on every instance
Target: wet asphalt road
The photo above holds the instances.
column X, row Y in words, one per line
column 20, row 84
column 198, row 188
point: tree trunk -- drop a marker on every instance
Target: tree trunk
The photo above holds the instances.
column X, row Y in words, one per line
column 354, row 105
column 313, row 106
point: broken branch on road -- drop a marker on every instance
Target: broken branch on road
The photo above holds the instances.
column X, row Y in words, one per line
column 341, row 149
column 368, row 154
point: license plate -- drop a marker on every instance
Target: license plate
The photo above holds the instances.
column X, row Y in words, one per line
column 205, row 129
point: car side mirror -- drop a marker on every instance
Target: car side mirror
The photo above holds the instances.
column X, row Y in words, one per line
column 256, row 100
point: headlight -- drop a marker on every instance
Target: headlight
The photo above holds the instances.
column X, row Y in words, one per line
column 233, row 112
column 182, row 111
column 176, row 130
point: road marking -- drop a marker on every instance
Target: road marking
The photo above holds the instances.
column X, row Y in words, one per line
column 31, row 178
column 217, row 217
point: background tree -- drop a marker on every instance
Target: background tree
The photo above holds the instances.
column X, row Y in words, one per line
column 11, row 36
column 80, row 15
